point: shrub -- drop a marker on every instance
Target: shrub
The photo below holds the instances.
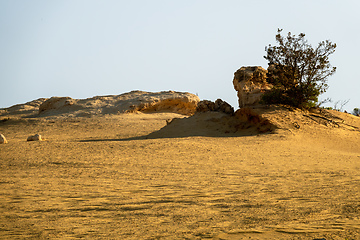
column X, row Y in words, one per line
column 297, row 71
column 356, row 111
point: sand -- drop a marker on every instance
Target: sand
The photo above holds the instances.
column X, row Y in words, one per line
column 132, row 176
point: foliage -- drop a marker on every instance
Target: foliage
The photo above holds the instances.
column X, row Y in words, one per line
column 356, row 111
column 298, row 71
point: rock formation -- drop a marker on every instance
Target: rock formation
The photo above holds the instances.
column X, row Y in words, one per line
column 169, row 101
column 205, row 106
column 250, row 83
column 56, row 103
column 224, row 107
column 2, row 139
column 217, row 106
column 36, row 137
column 185, row 105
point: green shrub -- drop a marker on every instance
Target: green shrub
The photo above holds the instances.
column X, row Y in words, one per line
column 297, row 71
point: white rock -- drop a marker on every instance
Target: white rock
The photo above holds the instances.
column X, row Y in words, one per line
column 2, row 139
column 36, row 137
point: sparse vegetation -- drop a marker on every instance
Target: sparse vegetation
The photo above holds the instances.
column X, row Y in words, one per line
column 339, row 105
column 298, row 71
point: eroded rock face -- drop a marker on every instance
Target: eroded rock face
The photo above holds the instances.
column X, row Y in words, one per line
column 2, row 139
column 217, row 106
column 222, row 106
column 169, row 101
column 250, row 83
column 185, row 104
column 205, row 106
column 56, row 103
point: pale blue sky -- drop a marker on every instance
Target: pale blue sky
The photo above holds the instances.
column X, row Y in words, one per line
column 84, row 48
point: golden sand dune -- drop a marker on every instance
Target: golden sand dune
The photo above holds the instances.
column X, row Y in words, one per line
column 265, row 173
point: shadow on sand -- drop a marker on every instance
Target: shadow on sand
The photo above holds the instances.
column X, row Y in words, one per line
column 209, row 124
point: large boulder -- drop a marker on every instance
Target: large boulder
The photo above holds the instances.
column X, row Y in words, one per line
column 250, row 83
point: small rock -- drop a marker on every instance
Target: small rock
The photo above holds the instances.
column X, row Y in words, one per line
column 36, row 137
column 2, row 139
column 222, row 106
column 205, row 106
column 217, row 106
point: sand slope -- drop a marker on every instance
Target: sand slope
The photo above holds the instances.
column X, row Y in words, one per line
column 133, row 176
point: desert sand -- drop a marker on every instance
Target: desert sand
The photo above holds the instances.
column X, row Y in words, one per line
column 139, row 175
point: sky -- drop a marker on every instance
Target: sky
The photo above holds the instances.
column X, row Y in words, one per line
column 86, row 48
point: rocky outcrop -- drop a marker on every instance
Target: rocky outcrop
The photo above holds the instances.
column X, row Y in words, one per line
column 205, row 106
column 250, row 83
column 2, row 139
column 56, row 103
column 222, row 106
column 183, row 106
column 166, row 101
column 36, row 137
column 217, row 106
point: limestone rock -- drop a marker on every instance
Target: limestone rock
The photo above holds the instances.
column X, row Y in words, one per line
column 36, row 137
column 185, row 105
column 222, row 106
column 217, row 106
column 205, row 106
column 168, row 101
column 56, row 103
column 250, row 83
column 2, row 139
column 64, row 107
